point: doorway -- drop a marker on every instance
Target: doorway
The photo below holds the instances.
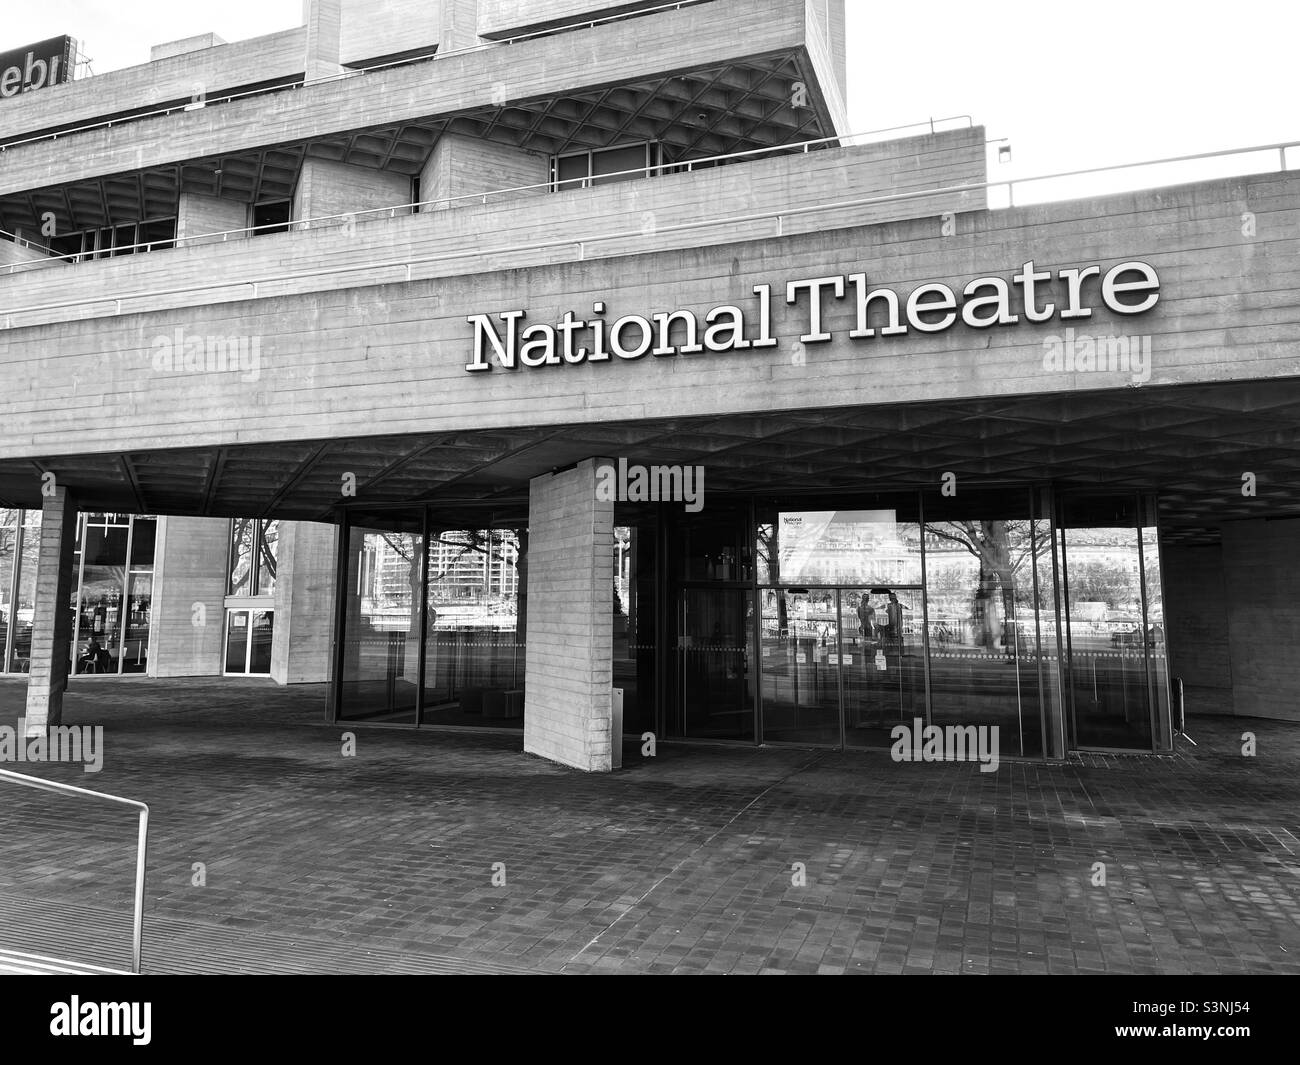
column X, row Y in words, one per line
column 840, row 666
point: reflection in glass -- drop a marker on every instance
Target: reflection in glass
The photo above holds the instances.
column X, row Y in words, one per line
column 881, row 663
column 242, row 538
column 1108, row 680
column 236, row 641
column 982, row 615
column 715, row 630
column 9, row 530
column 135, row 651
column 382, row 619
column 267, row 543
column 877, row 542
column 474, row 652
column 259, row 651
column 800, row 665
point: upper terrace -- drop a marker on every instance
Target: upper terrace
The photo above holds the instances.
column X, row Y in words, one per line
column 241, row 122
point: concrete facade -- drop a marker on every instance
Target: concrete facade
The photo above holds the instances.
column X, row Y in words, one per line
column 52, row 621
column 304, row 603
column 189, row 597
column 327, row 188
column 567, row 705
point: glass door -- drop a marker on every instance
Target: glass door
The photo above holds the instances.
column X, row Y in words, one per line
column 801, row 657
column 716, row 688
column 1109, row 635
column 882, row 662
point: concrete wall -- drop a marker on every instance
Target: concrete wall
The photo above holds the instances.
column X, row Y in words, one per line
column 304, row 603
column 709, row 35
column 1262, row 594
column 198, row 214
column 511, row 18
column 391, row 358
column 11, row 252
column 184, row 46
column 1196, row 627
column 463, row 166
column 189, row 572
column 328, row 188
column 373, row 31
column 215, row 70
column 506, row 227
column 570, row 627
column 324, row 39
column 52, row 620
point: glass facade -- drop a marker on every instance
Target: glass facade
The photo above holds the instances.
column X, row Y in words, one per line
column 811, row 619
column 112, row 601
column 432, row 622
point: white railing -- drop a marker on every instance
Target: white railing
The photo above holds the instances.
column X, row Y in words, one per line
column 142, row 843
column 580, row 243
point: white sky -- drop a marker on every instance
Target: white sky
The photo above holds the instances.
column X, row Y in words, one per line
column 1071, row 84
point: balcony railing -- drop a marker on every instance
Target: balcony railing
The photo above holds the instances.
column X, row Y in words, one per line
column 581, row 244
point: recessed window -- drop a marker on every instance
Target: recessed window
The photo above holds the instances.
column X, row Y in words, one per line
column 580, row 170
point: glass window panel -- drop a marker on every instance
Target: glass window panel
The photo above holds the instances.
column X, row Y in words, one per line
column 267, row 548
column 105, row 542
column 135, row 652
column 237, row 622
column 881, row 664
column 381, row 638
column 609, row 165
column 572, row 170
column 862, row 540
column 474, row 653
column 715, row 682
column 9, row 530
column 260, row 638
column 243, row 534
column 144, row 533
column 713, row 544
column 100, row 617
column 25, row 600
column 979, row 575
column 1105, row 624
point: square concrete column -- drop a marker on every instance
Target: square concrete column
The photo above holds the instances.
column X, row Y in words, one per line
column 324, row 19
column 51, row 616
column 568, row 711
column 304, row 603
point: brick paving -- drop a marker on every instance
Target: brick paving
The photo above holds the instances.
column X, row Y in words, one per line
column 680, row 863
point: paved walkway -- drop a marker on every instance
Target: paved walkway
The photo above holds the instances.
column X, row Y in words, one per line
column 683, row 863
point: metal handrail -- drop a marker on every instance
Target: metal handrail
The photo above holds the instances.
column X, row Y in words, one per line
column 581, row 242
column 302, row 224
column 142, row 842
column 346, row 74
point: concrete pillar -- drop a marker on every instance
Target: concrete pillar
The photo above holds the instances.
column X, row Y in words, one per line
column 51, row 618
column 467, row 166
column 567, row 701
column 304, row 602
column 187, row 627
column 1261, row 584
column 459, row 25
column 324, row 20
column 327, row 189
column 199, row 214
column 1196, row 627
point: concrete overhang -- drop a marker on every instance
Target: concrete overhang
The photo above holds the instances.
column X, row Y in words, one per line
column 1191, row 444
column 605, row 58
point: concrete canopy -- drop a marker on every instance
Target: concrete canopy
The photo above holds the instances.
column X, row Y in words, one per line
column 1192, row 444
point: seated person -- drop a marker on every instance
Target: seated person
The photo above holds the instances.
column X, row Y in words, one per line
column 89, row 662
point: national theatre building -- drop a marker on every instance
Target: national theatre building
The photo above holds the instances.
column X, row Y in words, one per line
column 572, row 366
